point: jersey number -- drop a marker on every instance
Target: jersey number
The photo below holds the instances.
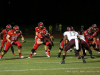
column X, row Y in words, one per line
column 14, row 37
column 72, row 33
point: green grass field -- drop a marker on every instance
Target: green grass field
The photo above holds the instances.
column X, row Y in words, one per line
column 40, row 64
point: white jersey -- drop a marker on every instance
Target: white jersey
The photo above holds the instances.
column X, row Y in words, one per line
column 82, row 37
column 71, row 35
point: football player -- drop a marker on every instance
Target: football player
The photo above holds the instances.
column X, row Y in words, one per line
column 3, row 35
column 12, row 39
column 42, row 39
column 91, row 38
column 38, row 29
column 62, row 43
column 74, row 40
column 96, row 33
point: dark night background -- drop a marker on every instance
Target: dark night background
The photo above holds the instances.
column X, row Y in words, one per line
column 69, row 12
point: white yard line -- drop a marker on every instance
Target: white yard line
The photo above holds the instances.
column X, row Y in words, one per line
column 50, row 69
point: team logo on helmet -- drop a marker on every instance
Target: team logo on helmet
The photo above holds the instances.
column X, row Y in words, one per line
column 41, row 25
column 16, row 28
column 8, row 27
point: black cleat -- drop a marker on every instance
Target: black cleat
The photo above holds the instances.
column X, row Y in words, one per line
column 79, row 57
column 92, row 57
column 63, row 62
column 58, row 56
column 84, row 61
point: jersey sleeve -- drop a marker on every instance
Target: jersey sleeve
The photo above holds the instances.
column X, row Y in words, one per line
column 36, row 29
column 9, row 33
column 3, row 31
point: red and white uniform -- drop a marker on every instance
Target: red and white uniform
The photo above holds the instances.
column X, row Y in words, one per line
column 41, row 38
column 3, row 40
column 13, row 37
column 37, row 29
column 89, row 38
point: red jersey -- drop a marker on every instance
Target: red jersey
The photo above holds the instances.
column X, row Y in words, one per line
column 95, row 33
column 89, row 37
column 37, row 29
column 14, row 36
column 4, row 31
column 85, row 33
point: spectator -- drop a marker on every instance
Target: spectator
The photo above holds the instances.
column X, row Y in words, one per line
column 57, row 27
column 60, row 28
column 50, row 29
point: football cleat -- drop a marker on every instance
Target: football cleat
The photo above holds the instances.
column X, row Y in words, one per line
column 98, row 52
column 35, row 53
column 13, row 54
column 63, row 62
column 21, row 56
column 79, row 57
column 92, row 57
column 58, row 56
column 29, row 57
column 48, row 55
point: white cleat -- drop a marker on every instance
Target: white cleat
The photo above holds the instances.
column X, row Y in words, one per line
column 48, row 56
column 29, row 57
column 98, row 52
column 34, row 53
column 21, row 56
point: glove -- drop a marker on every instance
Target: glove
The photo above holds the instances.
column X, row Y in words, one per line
column 12, row 42
column 23, row 41
column 44, row 41
column 52, row 43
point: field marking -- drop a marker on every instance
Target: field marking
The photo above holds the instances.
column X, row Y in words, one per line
column 41, row 62
column 48, row 69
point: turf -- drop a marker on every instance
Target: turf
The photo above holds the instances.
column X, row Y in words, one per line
column 40, row 64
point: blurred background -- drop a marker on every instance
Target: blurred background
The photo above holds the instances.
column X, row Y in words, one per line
column 27, row 14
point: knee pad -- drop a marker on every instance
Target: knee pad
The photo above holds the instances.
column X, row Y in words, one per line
column 61, row 49
column 20, row 47
column 32, row 50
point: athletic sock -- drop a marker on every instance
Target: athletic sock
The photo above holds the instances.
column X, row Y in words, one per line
column 59, row 54
column 63, row 57
column 12, row 49
column 20, row 54
column 45, row 51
